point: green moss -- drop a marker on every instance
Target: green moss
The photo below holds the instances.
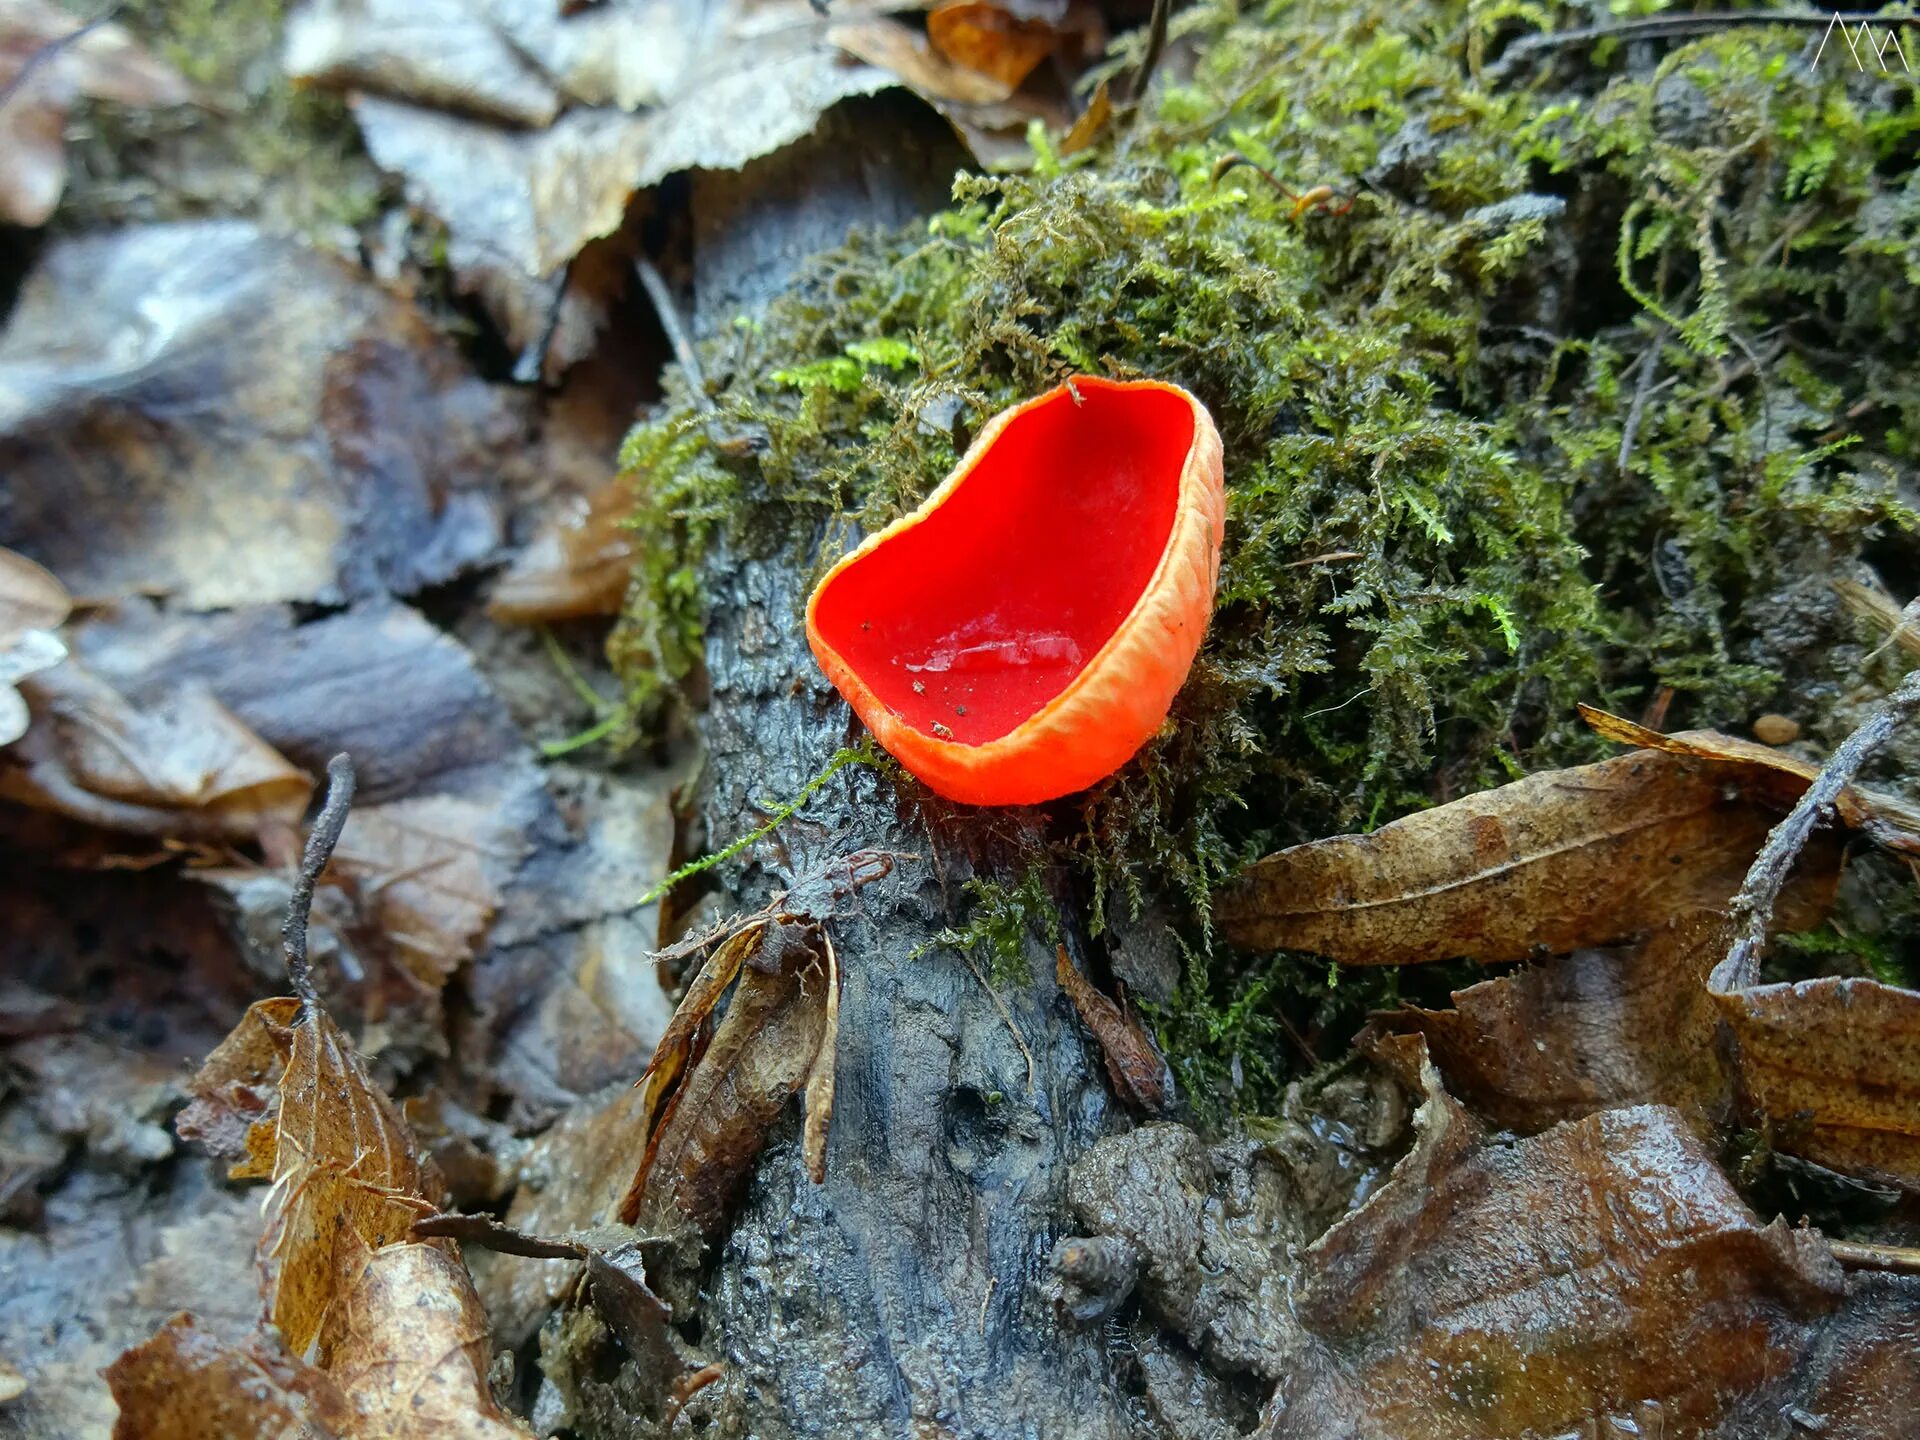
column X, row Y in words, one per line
column 1001, row 919
column 1604, row 360
column 263, row 146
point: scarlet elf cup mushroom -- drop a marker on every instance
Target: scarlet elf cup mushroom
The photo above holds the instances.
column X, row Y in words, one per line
column 1023, row 633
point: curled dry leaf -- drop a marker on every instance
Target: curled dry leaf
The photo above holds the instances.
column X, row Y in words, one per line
column 394, row 1324
column 1139, row 1074
column 48, row 59
column 577, row 564
column 991, row 39
column 1590, row 1031
column 184, row 767
column 1602, row 1272
column 1835, row 1064
column 203, row 411
column 1775, row 776
column 408, row 1344
column 285, row 1097
column 32, row 606
column 185, row 1384
column 716, row 1122
column 1553, row 862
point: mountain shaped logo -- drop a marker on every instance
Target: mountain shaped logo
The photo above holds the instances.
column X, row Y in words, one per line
column 1866, row 47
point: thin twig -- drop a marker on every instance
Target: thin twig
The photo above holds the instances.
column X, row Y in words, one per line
column 684, row 354
column 1752, row 908
column 1647, row 365
column 1900, row 1259
column 1006, row 1016
column 50, row 52
column 1661, row 27
column 1156, row 44
column 320, row 843
column 532, row 364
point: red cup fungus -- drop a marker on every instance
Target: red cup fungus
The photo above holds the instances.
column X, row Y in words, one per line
column 1023, row 633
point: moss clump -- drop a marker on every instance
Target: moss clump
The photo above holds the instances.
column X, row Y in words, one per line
column 1607, row 359
column 286, row 154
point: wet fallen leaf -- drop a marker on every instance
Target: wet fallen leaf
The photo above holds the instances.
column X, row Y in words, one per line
column 714, row 89
column 378, row 679
column 184, row 1384
column 427, row 873
column 902, row 50
column 1556, row 861
column 1780, row 777
column 1590, row 1031
column 184, row 767
column 1603, row 1272
column 1835, row 1064
column 715, row 1124
column 32, row 606
column 203, row 411
column 991, row 39
column 578, row 563
column 48, row 59
column 408, row 1344
column 1140, row 1076
column 286, row 1097
column 438, row 52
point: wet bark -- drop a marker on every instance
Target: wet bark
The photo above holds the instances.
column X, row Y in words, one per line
column 905, row 1295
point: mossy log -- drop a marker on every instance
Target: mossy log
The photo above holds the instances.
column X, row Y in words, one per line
column 903, row 1295
column 904, row 1292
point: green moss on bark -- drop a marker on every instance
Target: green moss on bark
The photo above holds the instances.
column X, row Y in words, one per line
column 1606, row 373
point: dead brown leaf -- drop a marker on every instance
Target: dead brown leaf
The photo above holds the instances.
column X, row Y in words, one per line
column 1139, row 1075
column 408, row 1344
column 577, row 564
column 427, row 874
column 32, row 606
column 236, row 1104
column 991, row 39
column 184, row 1384
column 344, row 1174
column 1775, row 775
column 1091, row 123
column 183, row 768
column 714, row 1126
column 1602, row 1272
column 899, row 48
column 202, row 411
column 286, row 1097
column 48, row 59
column 1556, row 861
column 1835, row 1064
column 1590, row 1031
column 393, row 1321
